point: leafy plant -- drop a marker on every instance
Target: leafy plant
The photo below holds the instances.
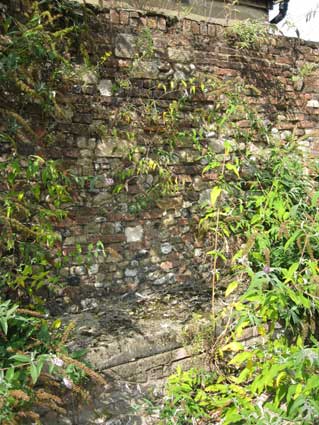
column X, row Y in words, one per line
column 304, row 71
column 150, row 162
column 187, row 397
column 36, row 370
column 30, row 246
column 263, row 220
column 248, row 33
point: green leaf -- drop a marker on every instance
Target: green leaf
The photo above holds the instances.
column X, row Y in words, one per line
column 231, row 288
column 4, row 325
column 297, row 391
column 11, row 311
column 232, row 417
column 35, row 371
column 233, row 346
column 21, row 358
column 314, row 199
column 312, row 383
column 291, row 271
column 233, row 168
column 243, row 376
column 240, row 358
column 216, row 388
column 296, row 406
column 57, row 324
column 10, row 374
column 218, row 254
column 281, row 376
column 214, row 194
column 292, row 239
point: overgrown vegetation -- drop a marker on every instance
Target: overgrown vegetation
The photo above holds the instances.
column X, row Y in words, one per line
column 248, row 33
column 263, row 221
column 272, row 212
column 36, row 370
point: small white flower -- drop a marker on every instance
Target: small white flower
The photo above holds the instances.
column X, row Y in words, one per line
column 57, row 361
column 67, row 382
column 109, row 181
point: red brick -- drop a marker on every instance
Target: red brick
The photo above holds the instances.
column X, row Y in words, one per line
column 120, row 217
column 183, row 221
column 228, row 72
column 109, row 238
column 136, row 246
column 306, row 124
column 114, row 17
column 71, row 153
column 210, row 176
column 151, row 215
column 195, row 27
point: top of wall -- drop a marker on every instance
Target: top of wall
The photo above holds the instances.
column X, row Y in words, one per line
column 202, row 25
column 214, row 10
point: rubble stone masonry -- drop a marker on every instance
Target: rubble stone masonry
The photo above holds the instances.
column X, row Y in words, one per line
column 131, row 304
column 158, row 247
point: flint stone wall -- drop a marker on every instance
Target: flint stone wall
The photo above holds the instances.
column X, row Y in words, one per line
column 132, row 304
column 159, row 246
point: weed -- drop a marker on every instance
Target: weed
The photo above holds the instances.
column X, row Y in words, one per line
column 248, row 33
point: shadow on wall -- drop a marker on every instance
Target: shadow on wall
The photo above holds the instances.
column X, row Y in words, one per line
column 278, row 80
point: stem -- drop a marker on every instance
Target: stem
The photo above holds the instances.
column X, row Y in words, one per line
column 214, row 280
column 16, row 366
column 215, row 264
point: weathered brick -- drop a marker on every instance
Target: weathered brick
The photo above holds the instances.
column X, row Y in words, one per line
column 161, row 24
column 152, row 22
column 187, row 25
column 114, row 16
column 87, row 146
column 124, row 17
column 195, row 27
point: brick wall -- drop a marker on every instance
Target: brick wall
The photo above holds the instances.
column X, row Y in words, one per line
column 158, row 248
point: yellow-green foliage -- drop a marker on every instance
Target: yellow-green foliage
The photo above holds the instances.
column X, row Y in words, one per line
column 248, row 33
column 268, row 205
